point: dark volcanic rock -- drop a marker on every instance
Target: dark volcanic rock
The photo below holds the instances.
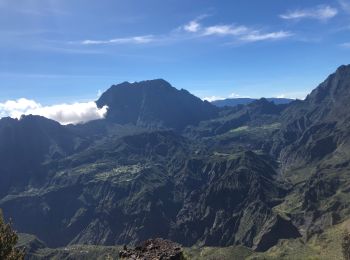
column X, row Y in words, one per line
column 153, row 249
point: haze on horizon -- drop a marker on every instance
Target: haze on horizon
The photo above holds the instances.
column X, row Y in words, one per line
column 60, row 55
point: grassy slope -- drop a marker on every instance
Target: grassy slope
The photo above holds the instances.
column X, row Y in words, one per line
column 326, row 246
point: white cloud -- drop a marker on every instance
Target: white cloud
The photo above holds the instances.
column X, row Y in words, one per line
column 322, row 12
column 237, row 32
column 128, row 40
column 213, row 98
column 194, row 29
column 225, row 30
column 234, row 95
column 192, row 26
column 258, row 36
column 294, row 95
column 62, row 113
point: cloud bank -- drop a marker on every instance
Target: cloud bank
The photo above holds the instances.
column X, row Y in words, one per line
column 322, row 12
column 62, row 113
column 215, row 98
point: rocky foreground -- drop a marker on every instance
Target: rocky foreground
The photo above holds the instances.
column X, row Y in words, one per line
column 153, row 249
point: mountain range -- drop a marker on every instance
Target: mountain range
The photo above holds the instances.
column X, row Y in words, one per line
column 164, row 163
column 231, row 102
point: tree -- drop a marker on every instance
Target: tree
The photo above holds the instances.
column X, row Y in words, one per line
column 346, row 246
column 8, row 241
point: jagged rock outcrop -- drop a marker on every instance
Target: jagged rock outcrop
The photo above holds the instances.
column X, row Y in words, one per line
column 153, row 249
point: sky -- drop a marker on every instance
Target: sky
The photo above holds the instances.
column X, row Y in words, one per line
column 55, row 54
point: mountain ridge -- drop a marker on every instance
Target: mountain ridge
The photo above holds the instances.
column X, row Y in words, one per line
column 245, row 101
column 230, row 176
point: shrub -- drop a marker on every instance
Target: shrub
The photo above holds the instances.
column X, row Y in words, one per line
column 8, row 241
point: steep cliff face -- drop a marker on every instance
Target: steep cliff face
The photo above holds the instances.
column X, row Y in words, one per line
column 313, row 147
column 317, row 126
column 230, row 201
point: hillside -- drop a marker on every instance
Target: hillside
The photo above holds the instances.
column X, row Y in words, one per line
column 165, row 164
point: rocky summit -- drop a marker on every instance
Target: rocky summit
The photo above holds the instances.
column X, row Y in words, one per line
column 256, row 177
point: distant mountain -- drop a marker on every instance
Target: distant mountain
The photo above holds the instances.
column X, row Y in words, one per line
column 154, row 103
column 257, row 113
column 231, row 102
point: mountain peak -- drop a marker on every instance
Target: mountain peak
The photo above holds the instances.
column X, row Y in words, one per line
column 343, row 69
column 154, row 103
column 145, row 83
column 334, row 89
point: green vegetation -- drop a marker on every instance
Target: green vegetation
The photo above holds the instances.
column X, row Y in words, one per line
column 81, row 252
column 346, row 245
column 8, row 241
column 216, row 253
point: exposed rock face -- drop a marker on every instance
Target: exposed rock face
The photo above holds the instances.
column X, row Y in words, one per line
column 153, row 249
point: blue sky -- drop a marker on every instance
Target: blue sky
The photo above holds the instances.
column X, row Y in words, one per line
column 62, row 51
